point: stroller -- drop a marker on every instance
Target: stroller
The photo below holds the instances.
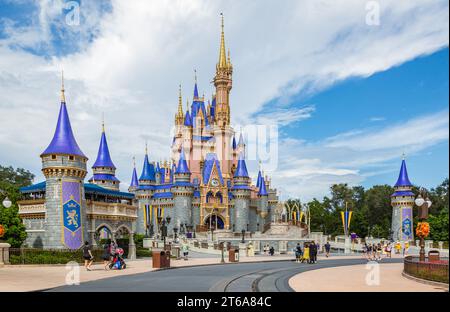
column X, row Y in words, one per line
column 117, row 262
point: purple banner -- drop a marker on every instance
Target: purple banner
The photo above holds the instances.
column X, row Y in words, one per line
column 71, row 210
column 407, row 225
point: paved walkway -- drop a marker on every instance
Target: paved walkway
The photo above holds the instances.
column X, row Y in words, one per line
column 358, row 278
column 37, row 277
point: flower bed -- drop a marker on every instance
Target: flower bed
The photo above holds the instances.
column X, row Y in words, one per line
column 436, row 271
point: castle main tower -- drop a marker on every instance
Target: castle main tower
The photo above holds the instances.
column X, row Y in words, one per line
column 64, row 168
column 402, row 201
column 223, row 133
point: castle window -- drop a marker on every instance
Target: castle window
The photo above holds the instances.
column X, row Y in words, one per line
column 103, row 181
column 53, row 156
column 71, row 158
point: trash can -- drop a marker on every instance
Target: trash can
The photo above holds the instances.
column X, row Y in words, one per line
column 167, row 259
column 433, row 255
column 233, row 255
column 158, row 258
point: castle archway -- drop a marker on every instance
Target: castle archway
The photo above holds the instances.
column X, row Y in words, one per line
column 214, row 221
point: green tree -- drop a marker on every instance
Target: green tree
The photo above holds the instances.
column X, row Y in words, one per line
column 10, row 182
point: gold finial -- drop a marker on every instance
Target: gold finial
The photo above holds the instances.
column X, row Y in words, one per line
column 403, row 156
column 187, row 105
column 134, row 161
column 63, row 97
column 260, row 165
column 222, row 55
column 146, row 148
column 180, row 104
column 103, row 121
column 195, row 75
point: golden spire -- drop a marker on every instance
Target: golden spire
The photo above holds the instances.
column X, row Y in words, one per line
column 146, row 148
column 103, row 121
column 180, row 104
column 63, row 97
column 222, row 55
column 134, row 161
column 187, row 105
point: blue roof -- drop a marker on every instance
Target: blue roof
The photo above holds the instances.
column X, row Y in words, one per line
column 403, row 179
column 95, row 189
column 241, row 170
column 195, row 91
column 103, row 156
column 101, row 176
column 63, row 141
column 203, row 138
column 234, row 143
column 162, row 187
column 258, row 179
column 196, row 193
column 134, row 179
column 162, row 173
column 210, row 160
column 182, row 167
column 241, row 187
column 188, row 119
column 147, row 187
column 148, row 171
column 38, row 187
column 241, row 140
column 163, row 195
column 213, row 108
column 403, row 193
column 262, row 188
column 88, row 188
column 183, row 183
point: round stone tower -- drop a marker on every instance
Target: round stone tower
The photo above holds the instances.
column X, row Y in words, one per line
column 402, row 201
column 182, row 194
column 64, row 167
column 241, row 193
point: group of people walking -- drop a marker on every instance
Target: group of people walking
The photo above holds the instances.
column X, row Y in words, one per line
column 376, row 251
column 308, row 254
column 112, row 254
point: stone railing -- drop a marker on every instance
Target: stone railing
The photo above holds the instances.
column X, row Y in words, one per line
column 32, row 206
column 117, row 210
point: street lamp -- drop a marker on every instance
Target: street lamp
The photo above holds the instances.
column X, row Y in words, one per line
column 243, row 236
column 222, row 260
column 7, row 202
column 424, row 205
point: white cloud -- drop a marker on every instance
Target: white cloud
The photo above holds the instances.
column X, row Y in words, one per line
column 128, row 64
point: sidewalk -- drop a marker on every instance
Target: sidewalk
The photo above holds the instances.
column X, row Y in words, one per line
column 35, row 277
column 353, row 279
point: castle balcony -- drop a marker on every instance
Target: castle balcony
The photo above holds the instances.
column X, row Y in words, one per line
column 32, row 208
column 111, row 211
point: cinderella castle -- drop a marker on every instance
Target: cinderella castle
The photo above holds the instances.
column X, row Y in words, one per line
column 205, row 186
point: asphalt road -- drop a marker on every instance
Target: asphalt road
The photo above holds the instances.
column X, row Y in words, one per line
column 239, row 277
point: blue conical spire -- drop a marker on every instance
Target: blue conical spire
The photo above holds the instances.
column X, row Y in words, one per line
column 262, row 187
column 241, row 171
column 258, row 179
column 103, row 156
column 195, row 87
column 403, row 179
column 182, row 167
column 148, row 170
column 134, row 178
column 188, row 119
column 234, row 143
column 63, row 141
column 241, row 140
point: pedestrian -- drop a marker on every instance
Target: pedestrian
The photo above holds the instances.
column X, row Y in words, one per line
column 185, row 249
column 398, row 246
column 306, row 253
column 106, row 256
column 313, row 252
column 327, row 249
column 271, row 250
column 87, row 255
column 298, row 253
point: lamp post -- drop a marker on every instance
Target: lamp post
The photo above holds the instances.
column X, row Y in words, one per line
column 163, row 227
column 6, row 202
column 222, row 260
column 243, row 236
column 423, row 205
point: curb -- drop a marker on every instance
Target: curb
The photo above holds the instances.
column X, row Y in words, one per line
column 424, row 281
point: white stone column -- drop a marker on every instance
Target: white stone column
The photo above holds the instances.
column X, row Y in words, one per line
column 131, row 248
column 4, row 253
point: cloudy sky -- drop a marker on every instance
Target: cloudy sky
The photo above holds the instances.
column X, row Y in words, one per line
column 350, row 85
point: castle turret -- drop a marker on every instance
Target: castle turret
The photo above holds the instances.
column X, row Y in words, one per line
column 402, row 201
column 182, row 194
column 241, row 194
column 103, row 168
column 64, row 168
column 144, row 194
column 134, row 185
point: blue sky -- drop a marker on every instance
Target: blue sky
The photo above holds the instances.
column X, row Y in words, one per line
column 348, row 97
